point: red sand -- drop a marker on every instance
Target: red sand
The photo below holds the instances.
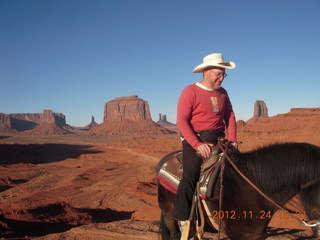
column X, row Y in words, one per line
column 69, row 187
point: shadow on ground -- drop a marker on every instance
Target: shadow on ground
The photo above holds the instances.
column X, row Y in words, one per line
column 41, row 153
column 273, row 232
column 53, row 218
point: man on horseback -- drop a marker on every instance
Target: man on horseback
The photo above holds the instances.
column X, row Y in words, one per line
column 204, row 112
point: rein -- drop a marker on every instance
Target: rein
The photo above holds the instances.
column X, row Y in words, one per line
column 224, row 146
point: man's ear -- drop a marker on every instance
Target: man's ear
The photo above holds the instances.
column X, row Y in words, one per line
column 205, row 72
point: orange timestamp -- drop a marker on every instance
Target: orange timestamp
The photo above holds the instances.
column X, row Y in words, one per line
column 284, row 214
column 233, row 215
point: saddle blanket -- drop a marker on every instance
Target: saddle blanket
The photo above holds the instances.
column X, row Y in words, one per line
column 170, row 173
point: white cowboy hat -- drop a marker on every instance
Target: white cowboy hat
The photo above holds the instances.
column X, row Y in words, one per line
column 214, row 60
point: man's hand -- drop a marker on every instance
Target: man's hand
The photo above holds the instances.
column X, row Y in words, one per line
column 205, row 149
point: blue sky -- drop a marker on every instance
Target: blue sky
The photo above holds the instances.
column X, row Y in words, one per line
column 73, row 56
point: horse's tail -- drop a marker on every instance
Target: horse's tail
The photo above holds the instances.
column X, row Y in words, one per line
column 164, row 230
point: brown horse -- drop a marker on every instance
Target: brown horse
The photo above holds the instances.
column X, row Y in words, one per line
column 280, row 171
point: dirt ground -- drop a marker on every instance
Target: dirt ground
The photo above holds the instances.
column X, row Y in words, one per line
column 80, row 188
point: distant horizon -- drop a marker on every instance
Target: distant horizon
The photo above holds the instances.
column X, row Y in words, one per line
column 152, row 117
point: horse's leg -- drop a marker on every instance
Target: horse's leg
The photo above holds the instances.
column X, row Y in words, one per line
column 310, row 197
column 168, row 225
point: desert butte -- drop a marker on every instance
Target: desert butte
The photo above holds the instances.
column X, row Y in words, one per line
column 95, row 186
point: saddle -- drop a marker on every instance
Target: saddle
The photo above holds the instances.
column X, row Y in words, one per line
column 169, row 172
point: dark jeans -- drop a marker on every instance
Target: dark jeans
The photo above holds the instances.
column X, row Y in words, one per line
column 191, row 173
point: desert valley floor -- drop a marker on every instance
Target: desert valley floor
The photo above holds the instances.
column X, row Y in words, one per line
column 80, row 188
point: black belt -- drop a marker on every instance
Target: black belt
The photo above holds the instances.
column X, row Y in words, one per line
column 211, row 136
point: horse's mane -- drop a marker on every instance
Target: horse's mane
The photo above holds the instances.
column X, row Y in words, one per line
column 281, row 167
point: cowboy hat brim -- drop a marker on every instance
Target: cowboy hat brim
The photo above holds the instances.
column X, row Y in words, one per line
column 200, row 68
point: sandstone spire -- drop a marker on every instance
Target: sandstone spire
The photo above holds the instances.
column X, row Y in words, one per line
column 260, row 109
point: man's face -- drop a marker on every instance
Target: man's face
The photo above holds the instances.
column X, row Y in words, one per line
column 216, row 76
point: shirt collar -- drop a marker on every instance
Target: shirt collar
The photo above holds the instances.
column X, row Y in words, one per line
column 203, row 87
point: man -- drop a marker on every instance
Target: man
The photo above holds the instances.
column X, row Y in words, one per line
column 204, row 112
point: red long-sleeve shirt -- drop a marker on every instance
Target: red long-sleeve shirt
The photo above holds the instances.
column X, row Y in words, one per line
column 201, row 109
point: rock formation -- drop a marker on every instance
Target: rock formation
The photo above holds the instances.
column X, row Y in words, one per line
column 17, row 122
column 47, row 123
column 5, row 123
column 92, row 123
column 260, row 111
column 49, row 116
column 241, row 123
column 163, row 122
column 50, row 124
column 127, row 116
column 162, row 118
column 129, row 108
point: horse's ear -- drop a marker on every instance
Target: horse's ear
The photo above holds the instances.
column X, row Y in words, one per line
column 222, row 143
column 233, row 148
column 223, row 140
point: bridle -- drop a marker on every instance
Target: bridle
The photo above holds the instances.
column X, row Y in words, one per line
column 224, row 145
